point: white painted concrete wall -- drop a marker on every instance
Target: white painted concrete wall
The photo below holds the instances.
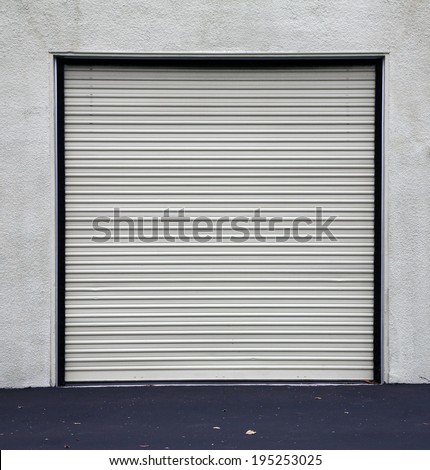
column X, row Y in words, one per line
column 31, row 31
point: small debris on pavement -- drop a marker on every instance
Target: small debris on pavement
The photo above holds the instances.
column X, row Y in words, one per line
column 144, row 445
column 317, row 398
column 216, row 427
column 250, row 432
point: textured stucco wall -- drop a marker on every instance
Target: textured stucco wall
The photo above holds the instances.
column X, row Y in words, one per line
column 30, row 31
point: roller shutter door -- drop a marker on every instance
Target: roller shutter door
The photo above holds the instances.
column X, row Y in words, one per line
column 219, row 141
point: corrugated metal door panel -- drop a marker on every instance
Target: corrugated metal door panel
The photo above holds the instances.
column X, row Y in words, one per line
column 219, row 142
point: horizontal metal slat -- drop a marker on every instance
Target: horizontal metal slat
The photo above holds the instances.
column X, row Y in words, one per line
column 231, row 332
column 223, row 313
column 142, row 123
column 205, row 349
column 214, row 85
column 176, row 114
column 211, row 305
column 225, row 166
column 218, row 367
column 216, row 341
column 237, row 357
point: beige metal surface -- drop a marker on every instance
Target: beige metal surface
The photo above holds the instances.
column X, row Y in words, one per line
column 219, row 142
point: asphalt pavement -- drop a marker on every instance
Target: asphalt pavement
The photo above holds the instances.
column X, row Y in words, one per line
column 217, row 417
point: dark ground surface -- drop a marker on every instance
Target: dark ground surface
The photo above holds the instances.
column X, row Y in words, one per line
column 184, row 417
